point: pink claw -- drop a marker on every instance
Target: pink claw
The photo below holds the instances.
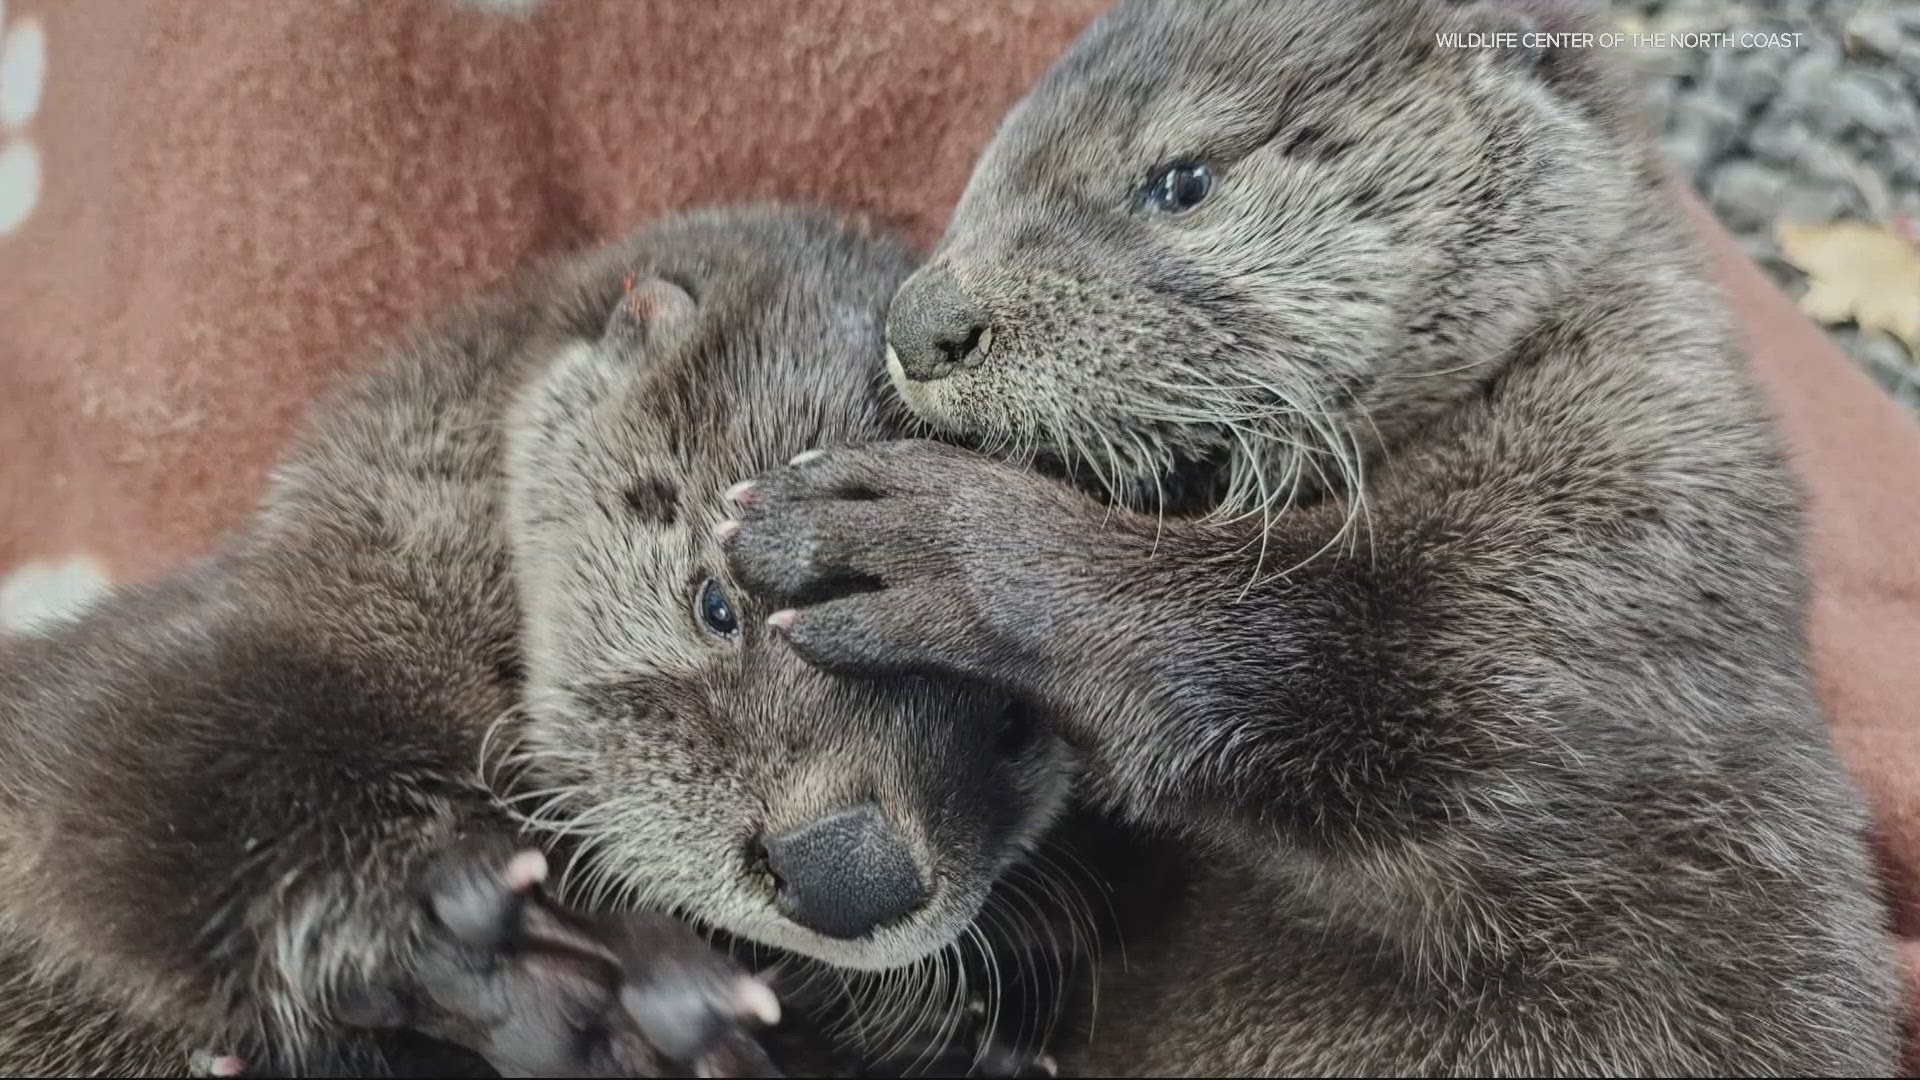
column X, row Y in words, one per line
column 525, row 870
column 755, row 999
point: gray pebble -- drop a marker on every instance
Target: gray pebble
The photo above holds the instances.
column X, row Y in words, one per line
column 1827, row 160
column 1877, row 30
column 1815, row 202
column 1906, row 15
column 1809, row 75
column 1869, row 100
column 1761, row 249
column 1815, row 133
column 1746, row 194
column 1716, row 124
column 1901, row 159
column 1780, row 141
column 1754, row 84
column 1884, row 348
column 1686, row 147
column 1885, row 359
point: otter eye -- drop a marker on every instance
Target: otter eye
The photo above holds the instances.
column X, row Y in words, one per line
column 1179, row 188
column 715, row 610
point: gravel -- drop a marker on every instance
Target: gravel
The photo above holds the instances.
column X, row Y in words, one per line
column 1825, row 131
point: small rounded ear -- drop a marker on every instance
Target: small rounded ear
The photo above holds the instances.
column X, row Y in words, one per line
column 653, row 313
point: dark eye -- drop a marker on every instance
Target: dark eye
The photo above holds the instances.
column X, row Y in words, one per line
column 1179, row 188
column 716, row 611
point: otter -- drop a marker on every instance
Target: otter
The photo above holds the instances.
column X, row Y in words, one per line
column 1406, row 542
column 275, row 804
column 850, row 830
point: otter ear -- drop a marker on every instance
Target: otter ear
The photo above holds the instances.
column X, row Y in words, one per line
column 654, row 313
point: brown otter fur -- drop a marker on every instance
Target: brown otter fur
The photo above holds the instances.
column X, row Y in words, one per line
column 245, row 807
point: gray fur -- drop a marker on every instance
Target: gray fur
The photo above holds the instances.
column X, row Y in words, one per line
column 230, row 797
column 1479, row 693
column 730, row 739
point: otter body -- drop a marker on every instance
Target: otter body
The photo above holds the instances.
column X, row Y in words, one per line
column 221, row 784
column 246, row 809
column 1444, row 596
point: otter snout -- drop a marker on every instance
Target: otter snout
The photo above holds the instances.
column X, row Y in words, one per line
column 934, row 329
column 846, row 874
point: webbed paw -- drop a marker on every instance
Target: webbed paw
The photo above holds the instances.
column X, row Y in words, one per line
column 536, row 990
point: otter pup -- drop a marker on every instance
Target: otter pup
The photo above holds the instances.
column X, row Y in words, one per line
column 1448, row 594
column 245, row 808
column 858, row 827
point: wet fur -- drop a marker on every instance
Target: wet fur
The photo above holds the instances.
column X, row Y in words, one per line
column 1480, row 697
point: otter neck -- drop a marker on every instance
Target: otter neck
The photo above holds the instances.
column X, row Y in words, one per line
column 1649, row 257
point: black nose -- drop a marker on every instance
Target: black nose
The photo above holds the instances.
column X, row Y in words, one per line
column 934, row 329
column 845, row 874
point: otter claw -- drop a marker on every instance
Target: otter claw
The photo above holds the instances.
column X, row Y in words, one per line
column 680, row 1025
column 538, row 991
column 207, row 1063
column 757, row 1000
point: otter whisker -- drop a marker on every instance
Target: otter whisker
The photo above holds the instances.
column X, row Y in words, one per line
column 993, row 927
column 956, row 994
column 490, row 765
column 908, row 988
column 1061, row 958
column 995, row 990
column 1074, row 901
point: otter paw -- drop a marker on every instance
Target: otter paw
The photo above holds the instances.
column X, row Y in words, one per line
column 210, row 1064
column 538, row 991
column 905, row 557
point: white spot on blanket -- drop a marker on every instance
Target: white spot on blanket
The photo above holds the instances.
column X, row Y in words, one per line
column 503, row 7
column 19, row 184
column 40, row 593
column 23, row 72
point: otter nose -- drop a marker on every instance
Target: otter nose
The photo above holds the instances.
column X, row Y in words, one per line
column 845, row 874
column 934, row 329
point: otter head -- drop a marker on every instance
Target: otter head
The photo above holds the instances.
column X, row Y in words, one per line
column 1233, row 243
column 698, row 763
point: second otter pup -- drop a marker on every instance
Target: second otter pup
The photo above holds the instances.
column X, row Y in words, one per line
column 1481, row 688
column 243, row 808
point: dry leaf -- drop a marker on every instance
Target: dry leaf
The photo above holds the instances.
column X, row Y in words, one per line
column 1860, row 272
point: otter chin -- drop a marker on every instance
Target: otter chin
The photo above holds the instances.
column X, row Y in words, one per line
column 751, row 914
